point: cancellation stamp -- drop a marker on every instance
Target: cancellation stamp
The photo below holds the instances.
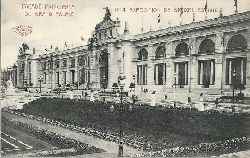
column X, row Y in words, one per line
column 22, row 30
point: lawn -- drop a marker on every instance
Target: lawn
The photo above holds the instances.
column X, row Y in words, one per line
column 157, row 127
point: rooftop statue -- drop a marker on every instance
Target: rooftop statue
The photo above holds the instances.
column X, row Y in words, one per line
column 107, row 14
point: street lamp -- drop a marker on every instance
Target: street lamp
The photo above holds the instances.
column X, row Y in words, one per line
column 40, row 79
column 234, row 82
column 132, row 87
column 175, row 75
column 104, row 86
column 121, row 82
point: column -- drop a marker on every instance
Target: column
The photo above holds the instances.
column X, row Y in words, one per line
column 169, row 65
column 150, row 70
column 220, row 62
column 94, row 69
column 112, row 65
column 129, row 67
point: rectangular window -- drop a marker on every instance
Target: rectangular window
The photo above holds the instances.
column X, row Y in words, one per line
column 57, row 78
column 72, row 76
column 142, row 74
column 30, row 78
column 45, row 65
column 181, row 70
column 64, row 77
column 57, row 63
column 160, row 74
column 82, row 76
column 72, row 62
column 206, row 72
column 64, row 63
column 44, row 78
column 50, row 65
column 239, row 66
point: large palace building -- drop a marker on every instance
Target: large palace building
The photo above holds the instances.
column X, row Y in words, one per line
column 209, row 57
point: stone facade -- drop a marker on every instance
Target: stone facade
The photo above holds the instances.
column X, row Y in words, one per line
column 201, row 57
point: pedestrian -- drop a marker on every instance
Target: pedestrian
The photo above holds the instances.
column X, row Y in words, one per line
column 201, row 103
column 92, row 99
column 153, row 99
column 216, row 102
column 189, row 100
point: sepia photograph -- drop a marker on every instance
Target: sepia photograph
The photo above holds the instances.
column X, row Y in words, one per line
column 134, row 78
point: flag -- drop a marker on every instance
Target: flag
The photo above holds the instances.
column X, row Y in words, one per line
column 159, row 18
column 235, row 3
column 181, row 11
column 205, row 6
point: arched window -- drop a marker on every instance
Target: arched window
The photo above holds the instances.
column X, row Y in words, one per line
column 181, row 49
column 160, row 52
column 104, row 69
column 103, row 57
column 143, row 54
column 206, row 46
column 237, row 43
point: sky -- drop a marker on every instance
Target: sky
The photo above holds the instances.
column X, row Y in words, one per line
column 83, row 15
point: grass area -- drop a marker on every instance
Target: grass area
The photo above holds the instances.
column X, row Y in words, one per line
column 156, row 127
column 49, row 140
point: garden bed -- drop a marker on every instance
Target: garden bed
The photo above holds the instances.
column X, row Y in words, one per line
column 149, row 128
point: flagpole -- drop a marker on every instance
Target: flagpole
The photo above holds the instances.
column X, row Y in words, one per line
column 181, row 15
column 159, row 21
column 236, row 6
column 206, row 10
column 142, row 24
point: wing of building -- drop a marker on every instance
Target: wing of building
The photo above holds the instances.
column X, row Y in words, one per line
column 207, row 57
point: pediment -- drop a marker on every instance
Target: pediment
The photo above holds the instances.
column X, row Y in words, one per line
column 105, row 24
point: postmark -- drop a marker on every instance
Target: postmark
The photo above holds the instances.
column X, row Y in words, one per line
column 22, row 30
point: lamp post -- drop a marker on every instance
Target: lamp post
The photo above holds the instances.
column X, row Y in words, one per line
column 134, row 83
column 40, row 79
column 234, row 82
column 121, row 82
column 132, row 87
column 103, row 86
column 175, row 74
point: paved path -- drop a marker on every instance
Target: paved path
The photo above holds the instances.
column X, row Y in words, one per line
column 109, row 147
column 241, row 154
